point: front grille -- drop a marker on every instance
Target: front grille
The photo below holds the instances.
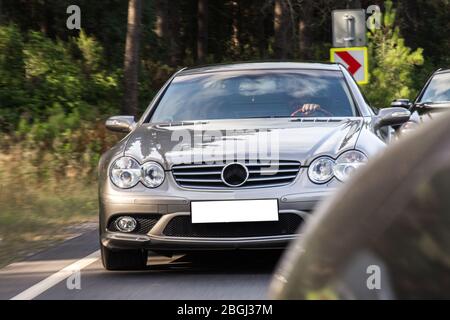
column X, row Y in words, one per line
column 181, row 226
column 261, row 174
column 144, row 223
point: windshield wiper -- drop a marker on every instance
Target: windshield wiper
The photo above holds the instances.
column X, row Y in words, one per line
column 265, row 117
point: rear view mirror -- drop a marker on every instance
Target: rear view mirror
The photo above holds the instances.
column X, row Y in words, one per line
column 401, row 103
column 391, row 117
column 120, row 123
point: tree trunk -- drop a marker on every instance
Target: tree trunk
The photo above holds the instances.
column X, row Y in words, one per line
column 261, row 36
column 304, row 31
column 281, row 29
column 174, row 34
column 131, row 58
column 235, row 28
column 202, row 32
column 167, row 30
column 161, row 24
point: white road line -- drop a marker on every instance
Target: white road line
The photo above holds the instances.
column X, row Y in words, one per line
column 57, row 277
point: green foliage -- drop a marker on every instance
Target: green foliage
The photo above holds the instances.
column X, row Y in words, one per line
column 37, row 74
column 53, row 95
column 51, row 75
column 392, row 63
column 91, row 51
column 13, row 98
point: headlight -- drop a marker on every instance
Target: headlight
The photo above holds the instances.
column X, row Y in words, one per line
column 324, row 169
column 321, row 170
column 347, row 163
column 152, row 174
column 125, row 172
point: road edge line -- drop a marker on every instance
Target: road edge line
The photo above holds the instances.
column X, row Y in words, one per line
column 52, row 280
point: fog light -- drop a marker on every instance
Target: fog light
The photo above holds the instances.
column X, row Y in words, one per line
column 126, row 224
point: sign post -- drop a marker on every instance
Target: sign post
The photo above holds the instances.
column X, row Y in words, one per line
column 349, row 42
column 349, row 28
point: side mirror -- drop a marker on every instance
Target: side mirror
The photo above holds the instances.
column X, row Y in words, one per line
column 120, row 123
column 391, row 117
column 401, row 103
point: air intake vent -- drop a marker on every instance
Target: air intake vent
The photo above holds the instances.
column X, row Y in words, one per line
column 181, row 226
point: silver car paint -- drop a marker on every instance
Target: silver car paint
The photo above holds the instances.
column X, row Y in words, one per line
column 302, row 141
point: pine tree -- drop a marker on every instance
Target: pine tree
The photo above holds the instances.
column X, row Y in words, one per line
column 392, row 64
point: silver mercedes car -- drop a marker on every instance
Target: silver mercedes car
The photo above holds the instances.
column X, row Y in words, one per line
column 233, row 156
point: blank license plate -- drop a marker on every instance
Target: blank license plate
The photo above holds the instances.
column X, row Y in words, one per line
column 234, row 211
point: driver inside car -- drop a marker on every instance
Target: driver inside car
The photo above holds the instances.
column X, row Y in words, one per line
column 305, row 109
column 308, row 109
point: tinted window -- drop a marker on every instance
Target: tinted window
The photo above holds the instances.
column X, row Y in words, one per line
column 254, row 94
column 438, row 90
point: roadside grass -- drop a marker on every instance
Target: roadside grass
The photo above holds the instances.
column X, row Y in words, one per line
column 35, row 215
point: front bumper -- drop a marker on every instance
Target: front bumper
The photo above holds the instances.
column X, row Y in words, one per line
column 123, row 241
column 294, row 204
column 156, row 240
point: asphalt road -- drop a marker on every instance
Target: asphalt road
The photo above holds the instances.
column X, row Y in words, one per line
column 226, row 275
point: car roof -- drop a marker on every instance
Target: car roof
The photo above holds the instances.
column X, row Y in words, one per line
column 242, row 66
column 442, row 71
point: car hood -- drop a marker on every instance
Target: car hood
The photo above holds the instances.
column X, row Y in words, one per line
column 276, row 139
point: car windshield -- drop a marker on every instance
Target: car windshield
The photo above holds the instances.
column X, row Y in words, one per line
column 255, row 94
column 438, row 89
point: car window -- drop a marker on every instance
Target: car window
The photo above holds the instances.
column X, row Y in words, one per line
column 438, row 89
column 254, row 94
